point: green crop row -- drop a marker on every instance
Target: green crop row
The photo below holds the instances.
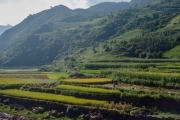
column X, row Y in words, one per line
column 168, row 67
column 52, row 97
column 86, row 89
column 152, row 80
column 145, row 76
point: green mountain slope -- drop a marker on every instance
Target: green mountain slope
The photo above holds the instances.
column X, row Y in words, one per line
column 128, row 33
column 57, row 15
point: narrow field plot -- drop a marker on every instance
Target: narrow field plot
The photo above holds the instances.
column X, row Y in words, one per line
column 13, row 81
column 40, row 80
column 55, row 76
column 86, row 89
column 35, row 76
column 92, row 80
column 52, row 97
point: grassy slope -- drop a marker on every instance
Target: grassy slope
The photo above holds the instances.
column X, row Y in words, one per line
column 128, row 35
column 173, row 53
column 174, row 24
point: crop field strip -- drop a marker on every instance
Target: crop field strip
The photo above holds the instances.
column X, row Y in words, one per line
column 88, row 89
column 13, row 81
column 35, row 76
column 52, row 97
column 55, row 76
column 92, row 80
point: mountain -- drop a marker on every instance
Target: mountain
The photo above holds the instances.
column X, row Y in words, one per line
column 3, row 28
column 57, row 14
column 79, row 35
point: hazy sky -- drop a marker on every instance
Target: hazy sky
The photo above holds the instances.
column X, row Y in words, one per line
column 14, row 11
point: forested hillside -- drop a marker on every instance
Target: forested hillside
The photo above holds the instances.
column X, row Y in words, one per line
column 145, row 31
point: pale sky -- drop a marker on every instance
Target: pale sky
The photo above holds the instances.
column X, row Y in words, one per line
column 14, row 11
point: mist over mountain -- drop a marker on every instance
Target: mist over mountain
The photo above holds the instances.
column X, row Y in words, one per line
column 3, row 28
column 121, row 29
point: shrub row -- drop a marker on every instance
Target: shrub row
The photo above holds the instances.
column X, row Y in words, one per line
column 16, row 86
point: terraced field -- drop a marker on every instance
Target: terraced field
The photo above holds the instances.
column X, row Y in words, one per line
column 85, row 89
column 52, row 97
column 129, row 85
column 13, row 81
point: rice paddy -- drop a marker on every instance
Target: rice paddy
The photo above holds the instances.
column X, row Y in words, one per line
column 13, row 81
column 52, row 97
column 55, row 76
